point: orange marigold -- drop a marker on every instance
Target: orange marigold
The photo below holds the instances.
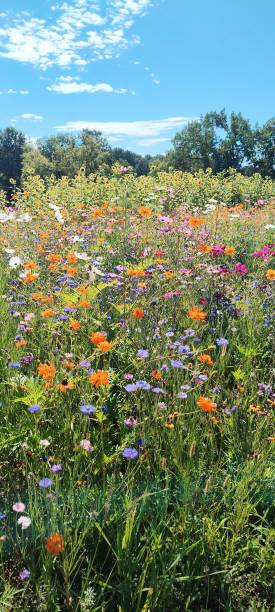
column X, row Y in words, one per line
column 145, row 211
column 49, row 312
column 229, row 250
column 47, row 371
column 105, row 346
column 99, row 378
column 138, row 313
column 196, row 313
column 196, row 221
column 75, row 325
column 97, row 337
column 206, row 405
column 135, row 272
column 270, row 275
column 55, row 544
column 206, row 359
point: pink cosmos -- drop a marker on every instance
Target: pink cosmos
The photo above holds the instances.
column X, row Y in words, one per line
column 217, row 250
column 241, row 269
column 86, row 445
column 19, row 507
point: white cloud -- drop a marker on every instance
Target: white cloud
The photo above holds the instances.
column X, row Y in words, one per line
column 31, row 117
column 21, row 92
column 150, row 142
column 69, row 85
column 76, row 33
column 129, row 129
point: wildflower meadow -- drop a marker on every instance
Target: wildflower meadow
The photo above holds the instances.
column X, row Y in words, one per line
column 136, row 354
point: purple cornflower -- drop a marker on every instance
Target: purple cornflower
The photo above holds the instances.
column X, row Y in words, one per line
column 24, row 574
column 130, row 453
column 15, row 365
column 45, row 483
column 131, row 388
column 57, row 467
column 142, row 384
column 176, row 363
column 85, row 364
column 143, row 353
column 34, row 408
column 221, row 342
column 87, row 408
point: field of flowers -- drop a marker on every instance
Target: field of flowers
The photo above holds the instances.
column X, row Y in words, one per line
column 136, row 351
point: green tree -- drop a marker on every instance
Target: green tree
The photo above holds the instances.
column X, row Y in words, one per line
column 265, row 149
column 12, row 146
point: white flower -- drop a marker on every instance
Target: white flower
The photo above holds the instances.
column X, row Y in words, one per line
column 24, row 521
column 4, row 217
column 269, row 226
column 93, row 273
column 9, row 251
column 82, row 256
column 14, row 262
column 24, row 218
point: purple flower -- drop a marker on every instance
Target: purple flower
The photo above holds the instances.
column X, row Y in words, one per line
column 130, row 422
column 143, row 353
column 45, row 483
column 221, row 342
column 176, row 363
column 128, row 376
column 34, row 408
column 24, row 574
column 57, row 467
column 15, row 365
column 131, row 388
column 130, row 453
column 87, row 408
column 85, row 364
column 182, row 395
column 142, row 384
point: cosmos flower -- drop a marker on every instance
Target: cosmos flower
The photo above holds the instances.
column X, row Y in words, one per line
column 24, row 521
column 19, row 507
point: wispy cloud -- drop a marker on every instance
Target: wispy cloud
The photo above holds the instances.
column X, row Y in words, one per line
column 76, row 33
column 70, row 85
column 155, row 128
column 21, row 92
column 150, row 142
column 31, row 117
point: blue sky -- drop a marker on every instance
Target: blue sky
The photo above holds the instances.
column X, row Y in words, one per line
column 137, row 70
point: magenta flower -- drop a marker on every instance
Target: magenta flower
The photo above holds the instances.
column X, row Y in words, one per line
column 241, row 269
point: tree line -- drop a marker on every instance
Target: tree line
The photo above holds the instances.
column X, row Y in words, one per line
column 214, row 141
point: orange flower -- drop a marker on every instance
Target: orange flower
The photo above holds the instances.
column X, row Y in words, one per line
column 47, row 371
column 54, row 258
column 229, row 250
column 205, row 359
column 135, row 272
column 206, row 404
column 49, row 312
column 204, row 248
column 105, row 346
column 196, row 221
column 156, row 374
column 75, row 325
column 20, row 343
column 29, row 278
column 82, row 290
column 270, row 275
column 69, row 365
column 169, row 274
column 97, row 337
column 70, row 270
column 196, row 313
column 99, row 378
column 71, row 258
column 30, row 265
column 66, row 386
column 97, row 212
column 138, row 313
column 84, row 304
column 144, row 211
column 55, row 544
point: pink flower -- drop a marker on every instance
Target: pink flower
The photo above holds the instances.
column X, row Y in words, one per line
column 86, row 445
column 241, row 269
column 217, row 250
column 19, row 507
